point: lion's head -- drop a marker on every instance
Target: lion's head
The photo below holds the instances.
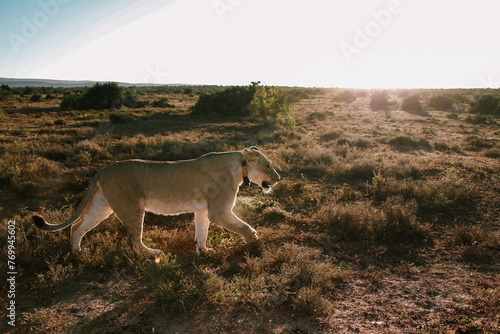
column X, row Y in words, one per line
column 260, row 170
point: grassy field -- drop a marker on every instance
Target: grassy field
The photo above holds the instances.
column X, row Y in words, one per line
column 386, row 221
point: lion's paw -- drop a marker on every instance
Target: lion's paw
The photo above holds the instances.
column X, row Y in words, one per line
column 251, row 237
column 204, row 251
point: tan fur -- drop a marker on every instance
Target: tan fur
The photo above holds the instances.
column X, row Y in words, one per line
column 206, row 186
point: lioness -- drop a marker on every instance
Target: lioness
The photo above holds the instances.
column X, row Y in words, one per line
column 206, row 186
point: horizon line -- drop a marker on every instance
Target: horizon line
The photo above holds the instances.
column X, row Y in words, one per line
column 90, row 81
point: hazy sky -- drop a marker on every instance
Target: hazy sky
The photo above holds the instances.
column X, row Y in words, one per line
column 329, row 43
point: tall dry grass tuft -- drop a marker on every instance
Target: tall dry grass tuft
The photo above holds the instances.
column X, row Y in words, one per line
column 395, row 222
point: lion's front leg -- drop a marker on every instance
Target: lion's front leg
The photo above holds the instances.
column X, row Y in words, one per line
column 201, row 224
column 231, row 222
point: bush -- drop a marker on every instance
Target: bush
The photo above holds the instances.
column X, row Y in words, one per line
column 101, row 96
column 2, row 115
column 269, row 104
column 233, row 101
column 346, row 96
column 162, row 103
column 29, row 90
column 379, row 101
column 412, row 105
column 70, row 99
column 441, row 102
column 5, row 93
column 486, row 105
column 37, row 97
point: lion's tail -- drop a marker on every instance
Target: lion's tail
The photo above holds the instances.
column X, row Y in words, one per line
column 79, row 213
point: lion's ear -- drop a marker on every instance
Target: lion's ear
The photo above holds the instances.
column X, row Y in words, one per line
column 250, row 156
column 254, row 148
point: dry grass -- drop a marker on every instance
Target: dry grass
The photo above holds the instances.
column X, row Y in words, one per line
column 386, row 221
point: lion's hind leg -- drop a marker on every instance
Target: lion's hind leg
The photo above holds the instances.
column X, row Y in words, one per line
column 97, row 210
column 132, row 218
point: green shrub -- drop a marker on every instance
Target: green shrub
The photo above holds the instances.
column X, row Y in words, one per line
column 2, row 115
column 162, row 103
column 233, row 101
column 269, row 104
column 441, row 102
column 37, row 97
column 379, row 101
column 101, row 96
column 5, row 93
column 486, row 105
column 70, row 99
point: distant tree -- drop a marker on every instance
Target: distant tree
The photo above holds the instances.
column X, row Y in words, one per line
column 412, row 105
column 486, row 105
column 379, row 100
column 441, row 102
